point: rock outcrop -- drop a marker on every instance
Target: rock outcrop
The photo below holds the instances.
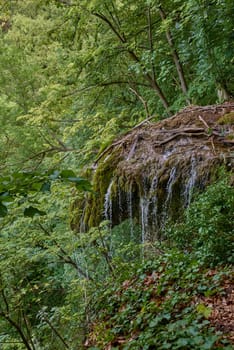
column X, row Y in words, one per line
column 151, row 173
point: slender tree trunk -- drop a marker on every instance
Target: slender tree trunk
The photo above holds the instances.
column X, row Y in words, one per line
column 20, row 332
column 56, row 332
column 153, row 82
column 175, row 56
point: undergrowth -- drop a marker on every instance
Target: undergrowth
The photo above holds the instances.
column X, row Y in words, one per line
column 158, row 308
column 161, row 301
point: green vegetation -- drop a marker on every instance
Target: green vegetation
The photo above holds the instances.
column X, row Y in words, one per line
column 74, row 75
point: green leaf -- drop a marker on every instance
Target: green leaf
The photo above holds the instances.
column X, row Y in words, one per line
column 182, row 342
column 3, row 210
column 67, row 173
column 32, row 211
column 204, row 310
column 5, row 197
column 55, row 175
column 81, row 183
column 45, row 187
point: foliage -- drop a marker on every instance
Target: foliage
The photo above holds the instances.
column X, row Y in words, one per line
column 58, row 285
column 74, row 75
column 208, row 227
column 25, row 185
column 155, row 308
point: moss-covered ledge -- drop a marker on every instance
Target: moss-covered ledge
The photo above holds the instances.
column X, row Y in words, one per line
column 150, row 173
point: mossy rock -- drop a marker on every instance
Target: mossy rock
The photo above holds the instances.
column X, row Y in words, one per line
column 226, row 119
column 176, row 155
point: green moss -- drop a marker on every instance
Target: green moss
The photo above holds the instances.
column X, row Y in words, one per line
column 101, row 180
column 227, row 118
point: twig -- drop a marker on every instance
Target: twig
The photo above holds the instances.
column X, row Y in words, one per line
column 144, row 102
column 212, row 144
column 56, row 332
column 106, row 150
column 204, row 122
column 158, row 144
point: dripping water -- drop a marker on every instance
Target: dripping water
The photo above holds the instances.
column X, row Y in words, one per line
column 154, row 203
column 144, row 207
column 188, row 192
column 120, row 207
column 130, row 209
column 108, row 204
column 108, row 214
column 144, row 211
column 170, row 183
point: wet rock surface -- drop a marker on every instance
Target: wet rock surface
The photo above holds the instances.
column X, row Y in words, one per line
column 150, row 174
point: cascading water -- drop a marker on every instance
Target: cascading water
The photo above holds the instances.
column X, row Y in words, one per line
column 108, row 204
column 144, row 212
column 173, row 156
column 108, row 214
column 120, row 207
column 130, row 209
column 144, row 208
column 154, row 204
column 82, row 223
column 189, row 186
column 166, row 205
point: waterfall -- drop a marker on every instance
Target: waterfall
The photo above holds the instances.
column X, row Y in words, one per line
column 188, row 191
column 169, row 187
column 108, row 204
column 120, row 207
column 130, row 210
column 154, row 204
column 144, row 208
column 144, row 212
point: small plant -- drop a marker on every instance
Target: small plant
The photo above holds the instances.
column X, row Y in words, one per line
column 208, row 227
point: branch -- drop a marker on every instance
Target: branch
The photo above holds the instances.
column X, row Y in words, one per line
column 18, row 329
column 150, row 37
column 135, row 58
column 5, row 301
column 56, row 332
column 65, row 257
column 158, row 144
column 204, row 122
column 175, row 56
column 104, row 84
column 145, row 104
column 110, row 24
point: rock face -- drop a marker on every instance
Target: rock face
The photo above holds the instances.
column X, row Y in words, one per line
column 150, row 174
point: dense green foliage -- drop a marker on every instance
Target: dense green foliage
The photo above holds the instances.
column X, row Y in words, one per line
column 74, row 75
column 161, row 306
column 208, row 226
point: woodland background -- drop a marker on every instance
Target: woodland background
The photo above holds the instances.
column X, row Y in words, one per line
column 74, row 76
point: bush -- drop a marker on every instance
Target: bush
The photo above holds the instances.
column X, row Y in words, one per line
column 209, row 224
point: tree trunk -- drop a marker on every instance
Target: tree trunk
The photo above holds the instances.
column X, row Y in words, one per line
column 175, row 57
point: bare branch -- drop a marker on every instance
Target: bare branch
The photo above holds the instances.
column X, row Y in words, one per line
column 144, row 102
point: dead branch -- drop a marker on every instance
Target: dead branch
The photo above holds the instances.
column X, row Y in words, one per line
column 204, row 122
column 158, row 144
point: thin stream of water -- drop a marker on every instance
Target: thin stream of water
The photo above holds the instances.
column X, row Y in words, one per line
column 169, row 187
column 189, row 186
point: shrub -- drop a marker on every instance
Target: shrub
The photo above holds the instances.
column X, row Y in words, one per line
column 208, row 226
